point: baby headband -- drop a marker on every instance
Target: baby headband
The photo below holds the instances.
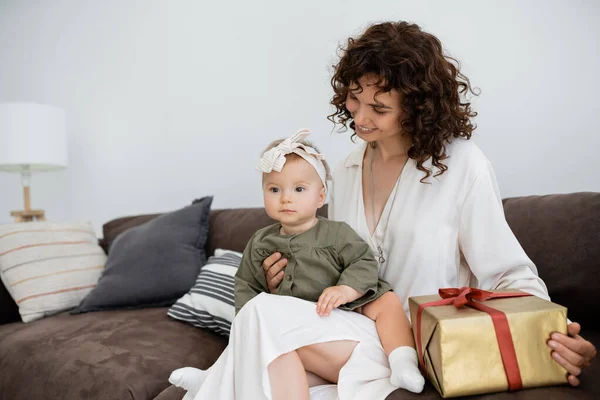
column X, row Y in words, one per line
column 274, row 159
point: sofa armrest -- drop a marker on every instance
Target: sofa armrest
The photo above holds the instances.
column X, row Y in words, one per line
column 102, row 242
column 9, row 311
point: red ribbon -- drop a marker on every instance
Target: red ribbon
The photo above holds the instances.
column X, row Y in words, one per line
column 472, row 297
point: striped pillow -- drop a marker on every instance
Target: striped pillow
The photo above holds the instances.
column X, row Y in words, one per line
column 48, row 267
column 210, row 303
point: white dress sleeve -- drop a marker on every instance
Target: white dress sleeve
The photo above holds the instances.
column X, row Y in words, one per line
column 495, row 257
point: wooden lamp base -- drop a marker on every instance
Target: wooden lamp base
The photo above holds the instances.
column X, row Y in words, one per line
column 28, row 215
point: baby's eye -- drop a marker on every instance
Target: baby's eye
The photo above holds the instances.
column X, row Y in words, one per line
column 274, row 190
column 300, row 189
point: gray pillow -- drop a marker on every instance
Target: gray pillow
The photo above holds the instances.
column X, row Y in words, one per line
column 155, row 263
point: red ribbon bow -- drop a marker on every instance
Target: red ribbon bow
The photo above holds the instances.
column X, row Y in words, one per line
column 473, row 298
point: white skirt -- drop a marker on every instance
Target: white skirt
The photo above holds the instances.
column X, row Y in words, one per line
column 270, row 325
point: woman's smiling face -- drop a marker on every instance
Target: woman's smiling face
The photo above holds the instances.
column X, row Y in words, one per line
column 376, row 115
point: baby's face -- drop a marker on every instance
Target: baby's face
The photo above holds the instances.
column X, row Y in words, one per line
column 293, row 195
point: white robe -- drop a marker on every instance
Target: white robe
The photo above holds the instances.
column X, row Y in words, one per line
column 270, row 325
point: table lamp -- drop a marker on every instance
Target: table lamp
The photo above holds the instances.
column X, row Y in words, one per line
column 32, row 138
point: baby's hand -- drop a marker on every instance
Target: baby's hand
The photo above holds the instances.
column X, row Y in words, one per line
column 333, row 297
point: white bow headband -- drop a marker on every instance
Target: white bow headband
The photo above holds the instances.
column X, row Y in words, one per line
column 274, row 159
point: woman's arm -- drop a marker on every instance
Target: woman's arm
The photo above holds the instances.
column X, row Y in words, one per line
column 489, row 246
column 498, row 261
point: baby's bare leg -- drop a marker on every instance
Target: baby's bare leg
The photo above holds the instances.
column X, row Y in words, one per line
column 292, row 373
column 397, row 341
column 391, row 322
column 315, row 380
column 326, row 359
column 288, row 378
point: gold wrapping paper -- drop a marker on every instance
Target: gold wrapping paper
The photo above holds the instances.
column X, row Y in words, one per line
column 461, row 351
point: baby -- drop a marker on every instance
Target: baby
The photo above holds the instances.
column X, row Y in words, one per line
column 328, row 263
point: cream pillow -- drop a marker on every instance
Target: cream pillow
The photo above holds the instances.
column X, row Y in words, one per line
column 48, row 267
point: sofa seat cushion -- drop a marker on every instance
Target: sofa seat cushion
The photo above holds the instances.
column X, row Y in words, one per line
column 124, row 354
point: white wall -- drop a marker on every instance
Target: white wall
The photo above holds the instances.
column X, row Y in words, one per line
column 168, row 101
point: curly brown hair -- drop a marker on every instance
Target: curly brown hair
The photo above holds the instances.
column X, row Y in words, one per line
column 411, row 61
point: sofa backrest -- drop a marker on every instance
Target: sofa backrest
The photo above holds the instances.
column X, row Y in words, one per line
column 232, row 229
column 228, row 229
column 560, row 233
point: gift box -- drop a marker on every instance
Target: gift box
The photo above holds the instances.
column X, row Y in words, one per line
column 471, row 341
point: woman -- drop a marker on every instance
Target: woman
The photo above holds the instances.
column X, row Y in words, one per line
column 420, row 192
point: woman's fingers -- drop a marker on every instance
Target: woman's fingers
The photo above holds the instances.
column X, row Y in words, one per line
column 573, row 380
column 578, row 344
column 573, row 329
column 568, row 359
column 560, row 347
column 273, row 266
column 274, row 283
column 269, row 262
column 572, row 352
column 575, row 349
column 571, row 369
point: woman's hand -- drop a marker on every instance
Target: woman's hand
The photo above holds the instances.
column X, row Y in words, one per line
column 273, row 268
column 572, row 352
column 335, row 296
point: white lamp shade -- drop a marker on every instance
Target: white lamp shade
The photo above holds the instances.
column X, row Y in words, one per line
column 32, row 135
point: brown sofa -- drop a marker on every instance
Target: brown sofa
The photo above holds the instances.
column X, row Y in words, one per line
column 129, row 354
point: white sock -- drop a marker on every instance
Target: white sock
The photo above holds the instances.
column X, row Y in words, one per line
column 188, row 378
column 405, row 370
